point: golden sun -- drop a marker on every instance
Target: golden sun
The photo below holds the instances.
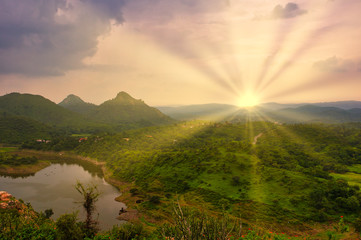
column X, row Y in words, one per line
column 248, row 100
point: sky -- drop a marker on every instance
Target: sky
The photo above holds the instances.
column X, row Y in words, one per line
column 179, row 52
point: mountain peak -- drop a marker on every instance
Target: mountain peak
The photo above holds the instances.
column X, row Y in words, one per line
column 76, row 104
column 71, row 99
column 123, row 96
column 125, row 99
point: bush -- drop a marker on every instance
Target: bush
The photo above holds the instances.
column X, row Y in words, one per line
column 154, row 199
column 68, row 228
column 126, row 231
column 357, row 225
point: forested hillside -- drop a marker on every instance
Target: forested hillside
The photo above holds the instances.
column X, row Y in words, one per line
column 285, row 174
column 127, row 111
column 76, row 104
column 45, row 111
column 17, row 130
column 26, row 117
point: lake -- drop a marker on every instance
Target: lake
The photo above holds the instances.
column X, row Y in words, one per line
column 54, row 187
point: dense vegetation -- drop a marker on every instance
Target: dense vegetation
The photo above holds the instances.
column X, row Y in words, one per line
column 43, row 110
column 14, row 160
column 276, row 176
column 15, row 130
column 57, row 143
column 287, row 176
column 20, row 221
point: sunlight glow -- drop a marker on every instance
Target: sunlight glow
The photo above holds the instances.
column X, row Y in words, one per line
column 248, row 100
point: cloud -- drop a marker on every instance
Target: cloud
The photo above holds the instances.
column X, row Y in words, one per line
column 334, row 64
column 163, row 11
column 291, row 10
column 50, row 37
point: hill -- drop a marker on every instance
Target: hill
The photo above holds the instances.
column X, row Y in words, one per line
column 16, row 129
column 340, row 104
column 45, row 111
column 125, row 110
column 266, row 112
column 343, row 111
column 76, row 104
column 312, row 113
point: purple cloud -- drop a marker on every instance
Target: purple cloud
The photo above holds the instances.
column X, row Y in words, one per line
column 335, row 64
column 50, row 37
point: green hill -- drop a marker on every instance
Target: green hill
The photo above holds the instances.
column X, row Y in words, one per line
column 76, row 104
column 283, row 178
column 124, row 109
column 45, row 111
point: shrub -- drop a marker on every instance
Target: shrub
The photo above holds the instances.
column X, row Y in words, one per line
column 68, row 228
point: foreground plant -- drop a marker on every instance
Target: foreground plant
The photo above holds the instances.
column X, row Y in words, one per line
column 90, row 195
column 191, row 224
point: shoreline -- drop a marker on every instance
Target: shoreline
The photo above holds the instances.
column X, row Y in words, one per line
column 47, row 157
column 54, row 156
column 23, row 170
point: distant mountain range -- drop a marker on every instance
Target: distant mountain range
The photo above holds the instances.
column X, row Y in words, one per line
column 40, row 109
column 212, row 111
column 27, row 116
column 329, row 112
column 123, row 109
column 44, row 117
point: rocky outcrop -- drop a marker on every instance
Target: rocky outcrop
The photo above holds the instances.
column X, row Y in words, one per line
column 4, row 196
column 7, row 201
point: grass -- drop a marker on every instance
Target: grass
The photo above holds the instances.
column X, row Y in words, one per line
column 350, row 177
column 356, row 168
column 81, row 135
column 8, row 149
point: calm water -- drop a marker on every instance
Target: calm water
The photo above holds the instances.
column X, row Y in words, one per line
column 53, row 187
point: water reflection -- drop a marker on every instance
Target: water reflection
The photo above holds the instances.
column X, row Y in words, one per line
column 54, row 187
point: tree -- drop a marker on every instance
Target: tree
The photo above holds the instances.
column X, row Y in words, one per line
column 90, row 195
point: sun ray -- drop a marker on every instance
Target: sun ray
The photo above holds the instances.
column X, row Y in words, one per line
column 309, row 42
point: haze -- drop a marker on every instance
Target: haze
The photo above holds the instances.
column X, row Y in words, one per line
column 176, row 52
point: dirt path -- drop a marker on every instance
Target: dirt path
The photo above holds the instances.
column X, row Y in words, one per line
column 256, row 138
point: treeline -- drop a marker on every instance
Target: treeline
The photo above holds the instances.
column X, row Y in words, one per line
column 60, row 143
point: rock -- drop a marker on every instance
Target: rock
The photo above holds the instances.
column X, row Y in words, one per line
column 4, row 196
column 3, row 205
column 130, row 215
